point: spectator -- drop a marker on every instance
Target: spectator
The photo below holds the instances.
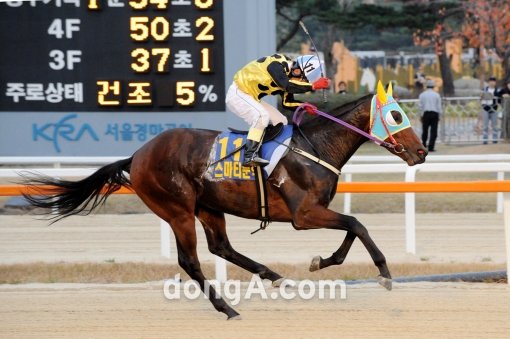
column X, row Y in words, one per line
column 505, row 92
column 505, row 103
column 430, row 110
column 419, row 81
column 489, row 100
column 342, row 87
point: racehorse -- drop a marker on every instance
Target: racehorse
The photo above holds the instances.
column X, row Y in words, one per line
column 171, row 174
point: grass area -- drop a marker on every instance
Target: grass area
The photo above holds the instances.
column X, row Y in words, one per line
column 111, row 272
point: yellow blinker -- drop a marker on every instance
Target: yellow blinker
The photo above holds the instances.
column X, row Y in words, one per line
column 389, row 92
column 381, row 94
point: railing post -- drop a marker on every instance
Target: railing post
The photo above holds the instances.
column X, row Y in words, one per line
column 347, row 196
column 499, row 195
column 410, row 213
column 507, row 233
column 221, row 269
column 165, row 238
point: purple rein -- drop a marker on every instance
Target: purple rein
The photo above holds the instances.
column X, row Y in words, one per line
column 300, row 111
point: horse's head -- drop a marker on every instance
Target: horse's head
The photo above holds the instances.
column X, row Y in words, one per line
column 390, row 125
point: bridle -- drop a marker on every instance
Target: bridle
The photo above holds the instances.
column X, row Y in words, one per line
column 398, row 148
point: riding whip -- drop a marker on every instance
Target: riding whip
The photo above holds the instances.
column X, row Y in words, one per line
column 302, row 24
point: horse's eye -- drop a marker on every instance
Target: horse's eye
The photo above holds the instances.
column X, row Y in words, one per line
column 394, row 118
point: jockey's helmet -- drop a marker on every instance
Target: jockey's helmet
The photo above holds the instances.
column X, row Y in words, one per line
column 308, row 66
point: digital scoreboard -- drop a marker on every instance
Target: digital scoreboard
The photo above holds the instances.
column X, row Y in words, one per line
column 103, row 77
column 112, row 56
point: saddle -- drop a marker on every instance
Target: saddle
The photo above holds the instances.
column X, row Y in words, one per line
column 272, row 131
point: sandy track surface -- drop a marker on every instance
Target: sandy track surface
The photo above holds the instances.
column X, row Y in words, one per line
column 97, row 238
column 429, row 310
column 141, row 311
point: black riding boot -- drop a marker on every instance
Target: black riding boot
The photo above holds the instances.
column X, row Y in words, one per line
column 251, row 154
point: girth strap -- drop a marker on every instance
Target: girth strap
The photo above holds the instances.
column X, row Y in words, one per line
column 262, row 199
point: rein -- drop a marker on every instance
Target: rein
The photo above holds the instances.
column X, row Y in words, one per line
column 398, row 148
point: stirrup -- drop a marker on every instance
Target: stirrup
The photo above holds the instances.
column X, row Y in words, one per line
column 256, row 161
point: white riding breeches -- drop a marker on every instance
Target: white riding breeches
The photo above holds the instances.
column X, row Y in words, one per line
column 257, row 114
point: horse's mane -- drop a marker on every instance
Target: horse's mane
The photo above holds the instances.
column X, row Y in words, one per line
column 339, row 111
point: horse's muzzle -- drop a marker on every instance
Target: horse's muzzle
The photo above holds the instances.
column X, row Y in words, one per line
column 421, row 154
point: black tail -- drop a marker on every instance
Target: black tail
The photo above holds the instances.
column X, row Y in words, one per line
column 68, row 198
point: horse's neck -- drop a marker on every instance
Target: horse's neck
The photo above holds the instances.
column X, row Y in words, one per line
column 332, row 141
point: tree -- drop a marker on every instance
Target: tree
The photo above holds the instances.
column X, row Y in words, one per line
column 431, row 28
column 448, row 16
column 429, row 23
column 312, row 12
column 487, row 26
column 293, row 11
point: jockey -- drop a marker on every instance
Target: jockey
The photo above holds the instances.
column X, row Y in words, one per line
column 273, row 75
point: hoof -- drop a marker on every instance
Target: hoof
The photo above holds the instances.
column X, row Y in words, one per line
column 316, row 264
column 385, row 282
column 235, row 317
column 278, row 282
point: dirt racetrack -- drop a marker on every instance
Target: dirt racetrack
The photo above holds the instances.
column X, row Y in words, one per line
column 430, row 310
column 141, row 310
column 445, row 237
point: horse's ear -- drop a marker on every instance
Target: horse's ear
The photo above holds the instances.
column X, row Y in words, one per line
column 389, row 92
column 381, row 94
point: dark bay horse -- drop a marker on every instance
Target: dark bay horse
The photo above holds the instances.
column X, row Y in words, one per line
column 171, row 175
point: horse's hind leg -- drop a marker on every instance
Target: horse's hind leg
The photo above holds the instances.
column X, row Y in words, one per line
column 217, row 239
column 186, row 239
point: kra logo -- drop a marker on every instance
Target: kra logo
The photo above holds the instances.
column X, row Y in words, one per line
column 62, row 130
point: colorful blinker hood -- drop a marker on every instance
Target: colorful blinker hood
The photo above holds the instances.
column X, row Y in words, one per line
column 386, row 116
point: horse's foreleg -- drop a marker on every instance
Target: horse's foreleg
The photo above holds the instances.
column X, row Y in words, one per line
column 186, row 239
column 321, row 217
column 217, row 239
column 337, row 258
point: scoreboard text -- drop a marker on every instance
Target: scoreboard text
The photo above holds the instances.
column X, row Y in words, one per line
column 112, row 55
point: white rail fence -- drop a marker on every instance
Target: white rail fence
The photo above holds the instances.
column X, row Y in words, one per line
column 495, row 163
column 348, row 170
column 461, row 121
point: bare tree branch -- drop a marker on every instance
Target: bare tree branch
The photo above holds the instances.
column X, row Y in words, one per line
column 294, row 29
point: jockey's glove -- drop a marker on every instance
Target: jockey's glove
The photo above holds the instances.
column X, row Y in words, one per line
column 322, row 83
